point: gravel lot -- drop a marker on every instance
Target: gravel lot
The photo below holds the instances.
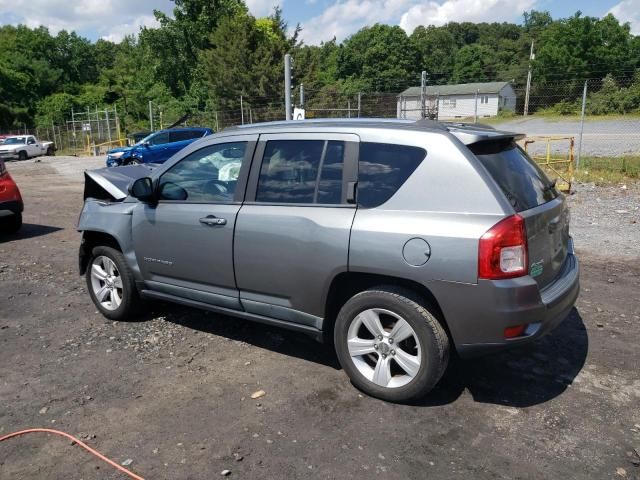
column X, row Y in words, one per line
column 600, row 138
column 171, row 393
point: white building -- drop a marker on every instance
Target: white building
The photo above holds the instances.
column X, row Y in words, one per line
column 465, row 100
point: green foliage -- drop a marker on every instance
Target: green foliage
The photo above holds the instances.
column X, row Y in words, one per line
column 381, row 57
column 246, row 59
column 207, row 53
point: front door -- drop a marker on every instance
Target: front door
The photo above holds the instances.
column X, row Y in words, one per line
column 184, row 244
column 292, row 234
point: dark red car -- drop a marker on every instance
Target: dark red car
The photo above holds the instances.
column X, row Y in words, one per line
column 11, row 205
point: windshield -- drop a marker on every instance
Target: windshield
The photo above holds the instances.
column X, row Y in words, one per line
column 522, row 181
column 15, row 141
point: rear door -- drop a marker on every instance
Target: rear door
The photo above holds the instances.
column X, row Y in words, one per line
column 534, row 197
column 292, row 233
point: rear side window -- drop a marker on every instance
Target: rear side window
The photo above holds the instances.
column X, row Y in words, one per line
column 382, row 170
column 181, row 136
column 301, row 171
column 524, row 184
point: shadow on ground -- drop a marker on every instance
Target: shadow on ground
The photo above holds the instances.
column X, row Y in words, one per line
column 522, row 376
column 28, row 230
column 519, row 377
column 271, row 338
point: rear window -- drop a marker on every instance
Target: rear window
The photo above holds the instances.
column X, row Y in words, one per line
column 382, row 169
column 522, row 181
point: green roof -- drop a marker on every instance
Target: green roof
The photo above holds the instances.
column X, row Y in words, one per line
column 459, row 89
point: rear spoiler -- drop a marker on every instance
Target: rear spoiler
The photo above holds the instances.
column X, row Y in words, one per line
column 476, row 136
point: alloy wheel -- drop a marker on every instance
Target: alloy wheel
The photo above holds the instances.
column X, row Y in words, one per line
column 384, row 347
column 106, row 282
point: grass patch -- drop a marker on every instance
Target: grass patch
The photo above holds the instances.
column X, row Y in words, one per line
column 608, row 169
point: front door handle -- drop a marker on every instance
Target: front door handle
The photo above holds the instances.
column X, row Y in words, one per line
column 213, row 220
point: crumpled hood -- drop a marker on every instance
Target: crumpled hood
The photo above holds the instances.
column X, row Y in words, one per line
column 113, row 183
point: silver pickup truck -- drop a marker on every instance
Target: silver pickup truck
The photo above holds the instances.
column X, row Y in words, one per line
column 22, row 147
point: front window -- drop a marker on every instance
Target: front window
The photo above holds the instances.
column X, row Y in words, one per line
column 155, row 139
column 207, row 175
column 15, row 141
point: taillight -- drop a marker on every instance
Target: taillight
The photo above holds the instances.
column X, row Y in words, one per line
column 502, row 252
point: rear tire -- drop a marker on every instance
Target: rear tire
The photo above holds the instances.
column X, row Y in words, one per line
column 22, row 155
column 51, row 152
column 390, row 345
column 11, row 224
column 111, row 284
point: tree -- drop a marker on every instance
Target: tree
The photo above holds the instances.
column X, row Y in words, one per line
column 380, row 58
column 245, row 58
column 436, row 50
column 474, row 63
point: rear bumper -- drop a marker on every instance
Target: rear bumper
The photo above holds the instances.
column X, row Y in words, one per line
column 10, row 208
column 477, row 323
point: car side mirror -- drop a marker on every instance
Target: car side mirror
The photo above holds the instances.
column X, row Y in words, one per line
column 146, row 144
column 142, row 189
column 172, row 191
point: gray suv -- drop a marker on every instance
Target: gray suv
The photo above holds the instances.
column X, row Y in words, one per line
column 396, row 240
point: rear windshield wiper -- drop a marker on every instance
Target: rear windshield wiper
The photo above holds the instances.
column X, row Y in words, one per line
column 551, row 185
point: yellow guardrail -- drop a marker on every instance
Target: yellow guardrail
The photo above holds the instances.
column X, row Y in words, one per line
column 99, row 148
column 557, row 164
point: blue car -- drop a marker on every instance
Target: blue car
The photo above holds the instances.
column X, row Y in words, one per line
column 157, row 147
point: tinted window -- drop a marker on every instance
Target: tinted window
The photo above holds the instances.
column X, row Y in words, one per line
column 159, row 138
column 521, row 180
column 208, row 175
column 182, row 135
column 330, row 185
column 382, row 169
column 289, row 172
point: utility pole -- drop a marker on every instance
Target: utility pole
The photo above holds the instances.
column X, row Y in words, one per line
column 532, row 56
column 475, row 110
column 423, row 96
column 150, row 116
column 359, row 103
column 241, row 111
column 301, row 96
column 584, row 104
column 287, row 86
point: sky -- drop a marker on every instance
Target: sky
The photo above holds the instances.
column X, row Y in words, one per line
column 320, row 20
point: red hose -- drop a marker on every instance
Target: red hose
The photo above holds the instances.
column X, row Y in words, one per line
column 74, row 439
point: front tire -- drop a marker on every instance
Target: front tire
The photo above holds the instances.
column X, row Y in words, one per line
column 390, row 345
column 22, row 155
column 111, row 284
column 132, row 161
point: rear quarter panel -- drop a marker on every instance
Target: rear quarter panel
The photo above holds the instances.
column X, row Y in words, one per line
column 449, row 203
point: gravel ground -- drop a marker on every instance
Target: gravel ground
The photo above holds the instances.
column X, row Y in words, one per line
column 600, row 138
column 170, row 394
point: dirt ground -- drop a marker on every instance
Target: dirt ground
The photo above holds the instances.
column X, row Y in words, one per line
column 171, row 393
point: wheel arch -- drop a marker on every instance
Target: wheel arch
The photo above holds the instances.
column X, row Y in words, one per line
column 347, row 284
column 90, row 240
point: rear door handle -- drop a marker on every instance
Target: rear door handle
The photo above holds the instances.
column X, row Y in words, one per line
column 213, row 220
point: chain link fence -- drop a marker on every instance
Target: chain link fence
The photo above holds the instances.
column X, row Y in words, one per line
column 601, row 117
